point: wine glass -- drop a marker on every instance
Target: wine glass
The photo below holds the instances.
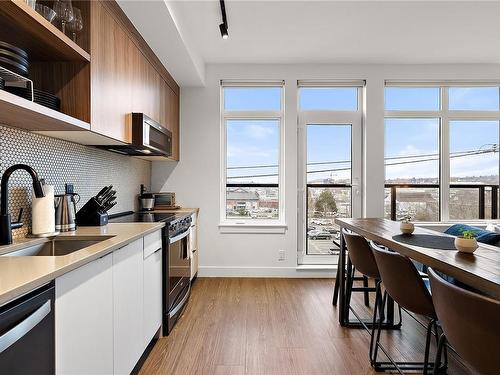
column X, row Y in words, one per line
column 64, row 12
column 76, row 25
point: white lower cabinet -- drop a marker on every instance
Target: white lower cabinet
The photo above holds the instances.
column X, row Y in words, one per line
column 152, row 295
column 84, row 320
column 128, row 290
column 107, row 311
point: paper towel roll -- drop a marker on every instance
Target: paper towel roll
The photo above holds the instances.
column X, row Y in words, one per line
column 43, row 213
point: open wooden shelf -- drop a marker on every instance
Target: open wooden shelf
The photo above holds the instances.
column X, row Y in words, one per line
column 22, row 113
column 23, row 27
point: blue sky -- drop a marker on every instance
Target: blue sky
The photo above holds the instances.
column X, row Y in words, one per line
column 256, row 142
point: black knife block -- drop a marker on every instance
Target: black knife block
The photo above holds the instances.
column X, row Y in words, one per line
column 91, row 214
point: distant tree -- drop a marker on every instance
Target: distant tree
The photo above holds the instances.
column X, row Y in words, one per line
column 325, row 202
column 242, row 211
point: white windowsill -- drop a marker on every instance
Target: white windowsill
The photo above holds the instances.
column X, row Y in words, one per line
column 249, row 227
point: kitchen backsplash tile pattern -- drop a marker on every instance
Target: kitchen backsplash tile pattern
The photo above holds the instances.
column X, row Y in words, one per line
column 60, row 162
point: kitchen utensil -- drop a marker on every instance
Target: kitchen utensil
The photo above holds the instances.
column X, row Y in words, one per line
column 101, row 192
column 100, row 196
column 76, row 25
column 65, row 205
column 109, row 206
column 31, row 3
column 108, row 195
column 14, row 49
column 47, row 13
column 146, row 200
column 109, row 200
column 64, row 12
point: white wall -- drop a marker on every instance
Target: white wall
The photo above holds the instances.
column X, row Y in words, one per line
column 195, row 179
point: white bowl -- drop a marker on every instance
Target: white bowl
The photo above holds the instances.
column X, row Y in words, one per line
column 406, row 228
column 465, row 245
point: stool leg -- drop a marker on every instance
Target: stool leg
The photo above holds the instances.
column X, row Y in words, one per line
column 437, row 361
column 374, row 321
column 349, row 282
column 336, row 287
column 379, row 329
column 367, row 295
column 427, row 345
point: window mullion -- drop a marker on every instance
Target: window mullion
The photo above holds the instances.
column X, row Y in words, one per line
column 444, row 180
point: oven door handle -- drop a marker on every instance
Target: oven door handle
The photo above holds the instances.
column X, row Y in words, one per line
column 179, row 237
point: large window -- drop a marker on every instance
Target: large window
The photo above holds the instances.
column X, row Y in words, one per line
column 441, row 151
column 329, row 165
column 252, row 137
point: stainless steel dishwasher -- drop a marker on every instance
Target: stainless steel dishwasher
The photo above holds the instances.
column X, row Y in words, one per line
column 27, row 337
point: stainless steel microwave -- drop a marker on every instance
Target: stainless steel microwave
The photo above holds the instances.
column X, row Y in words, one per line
column 149, row 138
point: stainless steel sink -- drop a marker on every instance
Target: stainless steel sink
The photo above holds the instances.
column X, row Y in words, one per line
column 58, row 246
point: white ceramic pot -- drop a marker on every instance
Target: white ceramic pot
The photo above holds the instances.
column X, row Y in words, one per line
column 466, row 245
column 406, row 227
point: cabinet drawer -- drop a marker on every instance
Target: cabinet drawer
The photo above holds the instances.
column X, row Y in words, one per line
column 152, row 242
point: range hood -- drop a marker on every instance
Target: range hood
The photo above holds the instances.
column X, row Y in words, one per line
column 149, row 138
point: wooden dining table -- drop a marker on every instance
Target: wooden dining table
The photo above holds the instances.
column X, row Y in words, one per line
column 480, row 270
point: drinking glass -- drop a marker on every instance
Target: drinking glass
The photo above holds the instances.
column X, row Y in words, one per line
column 64, row 12
column 76, row 25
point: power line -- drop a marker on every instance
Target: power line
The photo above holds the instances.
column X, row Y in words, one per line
column 493, row 149
column 454, row 155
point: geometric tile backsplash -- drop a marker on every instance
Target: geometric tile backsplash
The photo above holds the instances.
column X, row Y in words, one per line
column 60, row 162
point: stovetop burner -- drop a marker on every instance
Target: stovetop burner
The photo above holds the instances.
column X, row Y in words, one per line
column 142, row 217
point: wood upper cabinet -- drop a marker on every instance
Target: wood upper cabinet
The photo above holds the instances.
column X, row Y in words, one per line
column 111, row 76
column 124, row 79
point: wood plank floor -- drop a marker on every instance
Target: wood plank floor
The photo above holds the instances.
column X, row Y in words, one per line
column 235, row 326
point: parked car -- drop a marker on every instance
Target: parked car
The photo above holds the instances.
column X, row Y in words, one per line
column 319, row 235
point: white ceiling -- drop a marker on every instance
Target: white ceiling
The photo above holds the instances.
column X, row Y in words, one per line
column 335, row 31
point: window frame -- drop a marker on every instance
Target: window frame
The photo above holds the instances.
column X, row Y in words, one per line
column 328, row 117
column 244, row 225
column 445, row 115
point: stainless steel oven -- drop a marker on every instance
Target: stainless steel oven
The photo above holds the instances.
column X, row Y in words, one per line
column 178, row 265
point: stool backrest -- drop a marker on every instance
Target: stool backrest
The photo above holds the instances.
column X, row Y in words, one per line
column 360, row 254
column 402, row 281
column 471, row 323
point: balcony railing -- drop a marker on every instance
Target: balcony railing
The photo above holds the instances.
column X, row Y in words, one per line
column 467, row 201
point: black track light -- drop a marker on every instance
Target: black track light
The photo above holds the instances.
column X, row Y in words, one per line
column 223, row 26
column 223, row 31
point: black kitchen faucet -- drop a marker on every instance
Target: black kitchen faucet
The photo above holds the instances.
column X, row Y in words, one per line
column 6, row 225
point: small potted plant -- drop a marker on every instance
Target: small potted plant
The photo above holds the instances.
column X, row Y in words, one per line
column 466, row 243
column 406, row 226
